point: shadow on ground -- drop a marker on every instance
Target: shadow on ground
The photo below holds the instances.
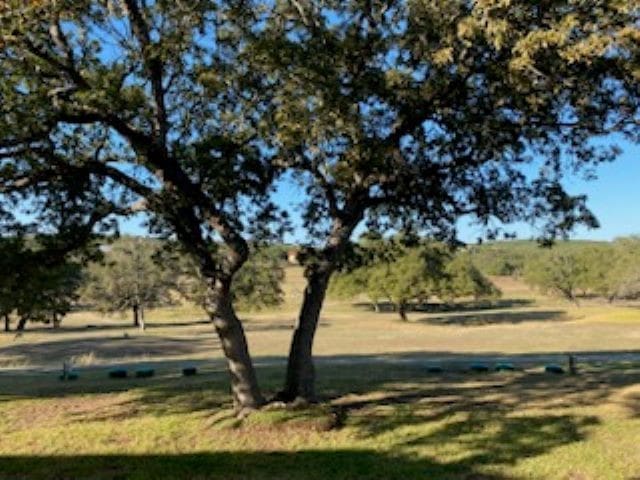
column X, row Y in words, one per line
column 460, row 306
column 303, row 465
column 107, row 348
column 130, row 343
column 425, row 419
column 106, row 327
column 494, row 318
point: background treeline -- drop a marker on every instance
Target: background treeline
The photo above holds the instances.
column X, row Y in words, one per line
column 571, row 269
column 133, row 274
column 130, row 274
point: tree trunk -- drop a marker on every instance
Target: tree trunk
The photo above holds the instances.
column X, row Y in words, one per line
column 141, row 323
column 300, row 379
column 136, row 316
column 244, row 383
column 56, row 321
column 402, row 311
column 21, row 324
column 376, row 307
column 7, row 321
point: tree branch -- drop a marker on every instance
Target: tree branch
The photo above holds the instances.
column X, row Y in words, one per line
column 153, row 65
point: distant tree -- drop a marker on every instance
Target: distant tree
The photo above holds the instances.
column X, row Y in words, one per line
column 411, row 274
column 47, row 294
column 39, row 282
column 414, row 276
column 557, row 271
column 623, row 269
column 129, row 279
column 463, row 279
column 11, row 249
column 599, row 269
column 500, row 258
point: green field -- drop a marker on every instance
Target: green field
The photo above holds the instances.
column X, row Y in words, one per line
column 382, row 416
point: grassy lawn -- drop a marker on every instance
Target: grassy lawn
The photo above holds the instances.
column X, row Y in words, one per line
column 380, row 420
column 383, row 416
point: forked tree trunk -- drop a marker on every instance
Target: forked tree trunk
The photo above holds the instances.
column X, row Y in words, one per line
column 244, row 383
column 300, row 379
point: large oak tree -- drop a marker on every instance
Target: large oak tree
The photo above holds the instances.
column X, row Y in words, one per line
column 141, row 106
column 417, row 113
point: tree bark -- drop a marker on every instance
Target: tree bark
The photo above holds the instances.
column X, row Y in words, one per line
column 300, row 379
column 402, row 311
column 56, row 321
column 7, row 321
column 141, row 322
column 244, row 383
column 21, row 324
column 136, row 316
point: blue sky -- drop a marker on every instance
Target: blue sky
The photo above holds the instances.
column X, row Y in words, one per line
column 614, row 196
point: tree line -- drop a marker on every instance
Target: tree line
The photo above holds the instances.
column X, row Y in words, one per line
column 130, row 274
column 571, row 270
column 395, row 113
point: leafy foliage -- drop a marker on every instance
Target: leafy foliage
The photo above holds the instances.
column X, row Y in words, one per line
column 129, row 278
column 464, row 279
column 403, row 274
column 36, row 286
column 558, row 272
column 256, row 286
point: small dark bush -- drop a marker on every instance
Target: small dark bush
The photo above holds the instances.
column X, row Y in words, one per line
column 189, row 371
column 479, row 367
column 118, row 373
column 145, row 373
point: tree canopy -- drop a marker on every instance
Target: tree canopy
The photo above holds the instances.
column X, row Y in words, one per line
column 129, row 279
column 415, row 114
column 411, row 275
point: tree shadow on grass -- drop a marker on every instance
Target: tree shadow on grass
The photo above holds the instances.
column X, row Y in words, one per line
column 350, row 464
column 494, row 318
column 459, row 306
column 108, row 326
column 53, row 353
column 454, row 443
column 457, row 426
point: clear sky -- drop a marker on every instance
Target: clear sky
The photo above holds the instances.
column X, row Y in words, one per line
column 614, row 197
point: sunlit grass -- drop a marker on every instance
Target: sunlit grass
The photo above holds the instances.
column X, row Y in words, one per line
column 378, row 421
column 382, row 416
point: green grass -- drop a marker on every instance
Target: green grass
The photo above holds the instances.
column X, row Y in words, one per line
column 377, row 421
column 382, row 415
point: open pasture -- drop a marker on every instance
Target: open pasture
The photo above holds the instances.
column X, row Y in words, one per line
column 382, row 416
